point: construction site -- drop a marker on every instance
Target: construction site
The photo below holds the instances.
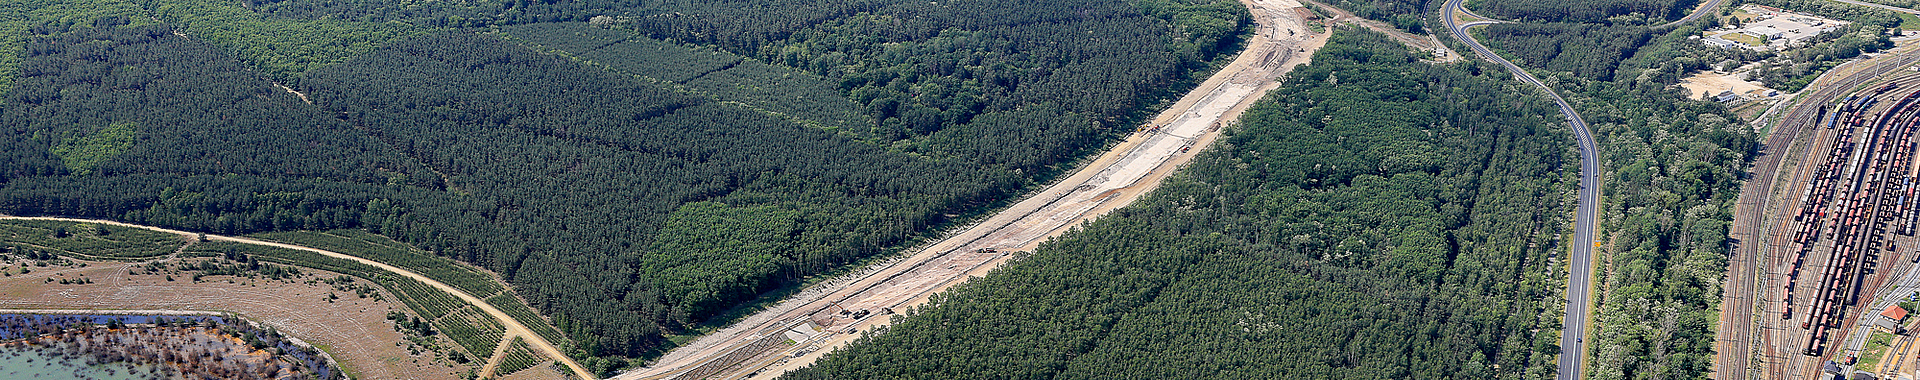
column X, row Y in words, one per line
column 797, row 331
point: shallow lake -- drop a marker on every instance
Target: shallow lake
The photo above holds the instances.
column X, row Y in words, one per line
column 28, row 363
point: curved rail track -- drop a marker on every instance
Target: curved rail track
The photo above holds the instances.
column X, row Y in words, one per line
column 1755, row 237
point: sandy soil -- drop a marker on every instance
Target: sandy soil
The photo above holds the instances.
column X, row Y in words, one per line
column 1706, row 84
column 513, row 327
column 539, row 372
column 353, row 330
column 1132, row 168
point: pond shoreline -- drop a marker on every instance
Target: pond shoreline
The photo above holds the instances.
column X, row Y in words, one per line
column 170, row 343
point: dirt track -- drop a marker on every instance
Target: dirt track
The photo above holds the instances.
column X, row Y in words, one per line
column 757, row 346
column 513, row 327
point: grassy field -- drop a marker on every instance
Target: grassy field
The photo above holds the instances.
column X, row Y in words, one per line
column 1908, row 21
column 1875, row 350
column 1743, row 38
column 517, row 358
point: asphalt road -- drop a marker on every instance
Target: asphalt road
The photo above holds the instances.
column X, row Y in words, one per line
column 1573, row 328
column 1703, row 10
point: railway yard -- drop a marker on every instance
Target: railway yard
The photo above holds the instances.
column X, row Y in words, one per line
column 1825, row 230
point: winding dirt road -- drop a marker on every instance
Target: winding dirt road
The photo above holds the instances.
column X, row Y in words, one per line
column 514, row 328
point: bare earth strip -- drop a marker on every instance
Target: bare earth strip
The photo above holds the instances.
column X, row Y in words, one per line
column 514, row 328
column 759, row 343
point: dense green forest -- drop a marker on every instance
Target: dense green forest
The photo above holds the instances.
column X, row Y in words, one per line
column 805, row 97
column 916, row 68
column 1615, row 12
column 1287, row 253
column 1672, row 172
column 1376, row 217
column 1587, row 50
column 1408, row 15
column 706, row 203
column 626, row 185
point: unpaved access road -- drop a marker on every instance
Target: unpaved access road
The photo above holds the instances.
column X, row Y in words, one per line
column 821, row 319
column 514, row 328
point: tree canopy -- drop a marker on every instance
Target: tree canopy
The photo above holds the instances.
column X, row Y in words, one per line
column 1376, row 217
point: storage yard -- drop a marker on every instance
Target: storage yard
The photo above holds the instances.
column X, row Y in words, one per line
column 1827, row 242
column 1769, row 28
column 1856, row 200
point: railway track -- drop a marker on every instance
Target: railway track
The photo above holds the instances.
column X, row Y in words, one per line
column 1757, row 239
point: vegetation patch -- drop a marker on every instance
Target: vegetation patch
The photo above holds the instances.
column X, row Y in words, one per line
column 1377, row 217
column 1616, row 12
column 19, row 17
column 519, row 311
column 386, row 251
column 1744, row 38
column 473, row 330
column 865, row 124
column 280, row 48
column 710, row 72
column 82, row 153
column 1875, row 350
column 86, row 240
column 519, row 357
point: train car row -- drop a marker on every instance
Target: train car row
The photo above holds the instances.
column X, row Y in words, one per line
column 1859, row 224
column 1863, row 175
column 1813, row 211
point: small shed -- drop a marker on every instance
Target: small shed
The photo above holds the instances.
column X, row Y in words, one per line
column 1891, row 318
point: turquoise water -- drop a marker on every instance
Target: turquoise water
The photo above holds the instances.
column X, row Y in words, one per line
column 27, row 363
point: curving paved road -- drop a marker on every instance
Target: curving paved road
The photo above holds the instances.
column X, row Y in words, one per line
column 1703, row 10
column 513, row 327
column 1580, row 265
